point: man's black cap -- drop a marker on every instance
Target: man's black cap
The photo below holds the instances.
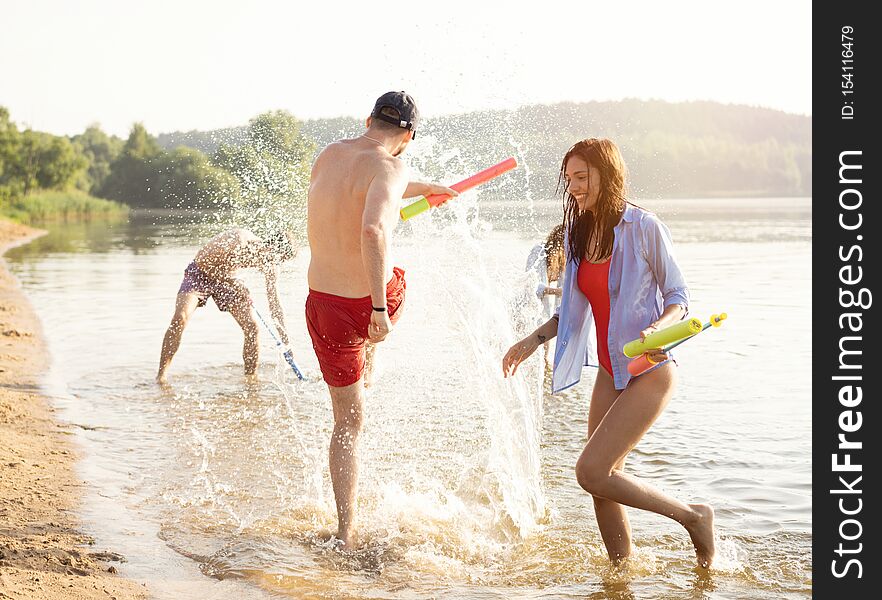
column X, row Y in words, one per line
column 403, row 103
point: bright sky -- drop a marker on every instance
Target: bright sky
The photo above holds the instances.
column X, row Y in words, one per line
column 200, row 64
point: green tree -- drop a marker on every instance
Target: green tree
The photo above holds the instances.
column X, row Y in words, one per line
column 32, row 160
column 100, row 150
column 272, row 173
column 133, row 178
column 45, row 161
column 186, row 179
column 9, row 141
column 145, row 175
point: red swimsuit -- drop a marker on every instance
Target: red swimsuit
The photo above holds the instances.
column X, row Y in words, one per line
column 593, row 280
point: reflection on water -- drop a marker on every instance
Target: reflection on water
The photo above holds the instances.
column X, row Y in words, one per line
column 137, row 234
column 217, row 487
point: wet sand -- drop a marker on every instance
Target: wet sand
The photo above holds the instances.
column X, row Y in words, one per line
column 44, row 553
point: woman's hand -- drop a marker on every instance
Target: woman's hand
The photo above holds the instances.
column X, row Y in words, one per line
column 649, row 330
column 518, row 353
column 656, row 355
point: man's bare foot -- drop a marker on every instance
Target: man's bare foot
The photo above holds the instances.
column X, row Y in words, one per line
column 701, row 530
column 346, row 541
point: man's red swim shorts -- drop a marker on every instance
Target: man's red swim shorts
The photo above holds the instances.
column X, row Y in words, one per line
column 338, row 327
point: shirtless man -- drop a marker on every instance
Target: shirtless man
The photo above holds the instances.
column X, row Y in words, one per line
column 355, row 294
column 212, row 275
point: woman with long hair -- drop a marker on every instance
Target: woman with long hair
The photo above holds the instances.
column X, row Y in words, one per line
column 622, row 281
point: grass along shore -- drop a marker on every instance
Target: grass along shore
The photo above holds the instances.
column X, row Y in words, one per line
column 52, row 205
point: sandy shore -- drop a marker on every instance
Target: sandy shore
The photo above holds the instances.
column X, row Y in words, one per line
column 44, row 554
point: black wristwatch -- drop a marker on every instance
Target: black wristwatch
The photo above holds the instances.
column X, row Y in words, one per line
column 381, row 309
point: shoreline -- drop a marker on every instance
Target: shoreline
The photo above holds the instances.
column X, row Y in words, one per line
column 44, row 553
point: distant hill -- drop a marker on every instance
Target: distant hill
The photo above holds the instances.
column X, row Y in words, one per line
column 687, row 149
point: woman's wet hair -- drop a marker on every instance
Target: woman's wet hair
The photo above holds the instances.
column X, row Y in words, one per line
column 583, row 227
column 279, row 243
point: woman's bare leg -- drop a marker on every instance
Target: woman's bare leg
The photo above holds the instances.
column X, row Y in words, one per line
column 612, row 519
column 625, row 423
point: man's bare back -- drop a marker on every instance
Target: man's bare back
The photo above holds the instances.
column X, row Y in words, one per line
column 341, row 177
column 227, row 252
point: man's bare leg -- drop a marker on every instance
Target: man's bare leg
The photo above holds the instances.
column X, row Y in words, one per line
column 343, row 456
column 370, row 351
column 185, row 304
column 245, row 318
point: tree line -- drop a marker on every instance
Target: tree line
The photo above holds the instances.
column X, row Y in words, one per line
column 261, row 170
column 259, row 179
column 681, row 149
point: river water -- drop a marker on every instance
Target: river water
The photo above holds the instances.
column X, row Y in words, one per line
column 217, row 487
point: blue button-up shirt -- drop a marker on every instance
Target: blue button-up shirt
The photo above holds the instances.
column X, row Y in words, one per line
column 643, row 279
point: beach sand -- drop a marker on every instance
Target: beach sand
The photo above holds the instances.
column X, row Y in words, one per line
column 44, row 553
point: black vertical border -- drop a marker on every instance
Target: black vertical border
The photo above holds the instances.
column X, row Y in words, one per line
column 832, row 135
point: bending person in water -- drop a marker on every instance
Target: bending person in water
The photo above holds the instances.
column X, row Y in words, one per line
column 212, row 274
column 355, row 294
column 621, row 279
column 547, row 261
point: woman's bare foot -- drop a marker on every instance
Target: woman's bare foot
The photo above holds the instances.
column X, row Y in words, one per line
column 701, row 530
